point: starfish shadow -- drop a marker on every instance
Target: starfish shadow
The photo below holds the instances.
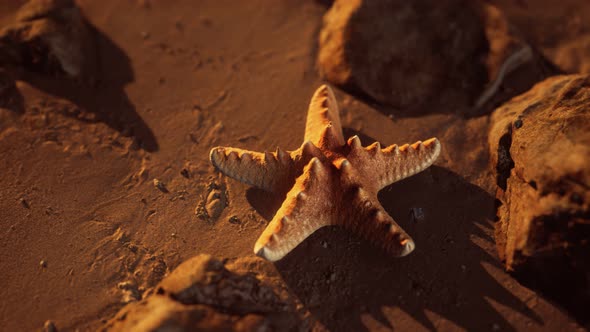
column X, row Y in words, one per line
column 265, row 203
column 345, row 282
column 105, row 97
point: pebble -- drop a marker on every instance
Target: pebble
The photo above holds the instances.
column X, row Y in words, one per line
column 184, row 172
column 160, row 185
column 214, row 208
column 417, row 214
column 43, row 263
column 49, row 326
column 234, row 220
column 24, row 203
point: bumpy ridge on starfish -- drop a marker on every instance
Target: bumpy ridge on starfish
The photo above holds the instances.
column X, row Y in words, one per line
column 393, row 163
column 306, row 208
column 373, row 223
column 268, row 171
column 332, row 182
column 323, row 115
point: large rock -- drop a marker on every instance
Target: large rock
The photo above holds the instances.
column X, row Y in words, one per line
column 540, row 147
column 424, row 53
column 51, row 37
column 202, row 294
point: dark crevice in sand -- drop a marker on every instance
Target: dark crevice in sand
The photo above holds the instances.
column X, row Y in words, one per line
column 505, row 163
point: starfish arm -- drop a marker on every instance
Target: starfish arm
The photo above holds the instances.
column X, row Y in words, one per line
column 393, row 163
column 306, row 208
column 369, row 219
column 271, row 171
column 323, row 119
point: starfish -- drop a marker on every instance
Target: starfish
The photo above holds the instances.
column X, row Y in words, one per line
column 328, row 182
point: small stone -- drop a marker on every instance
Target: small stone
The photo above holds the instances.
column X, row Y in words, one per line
column 184, row 172
column 495, row 327
column 145, row 35
column 130, row 291
column 325, row 244
column 215, row 203
column 201, row 211
column 160, row 185
column 145, row 4
column 234, row 220
column 43, row 263
column 24, row 203
column 49, row 326
column 518, row 124
column 417, row 214
column 214, row 208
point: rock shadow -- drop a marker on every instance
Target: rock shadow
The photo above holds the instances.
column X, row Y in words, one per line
column 102, row 95
column 345, row 281
column 10, row 97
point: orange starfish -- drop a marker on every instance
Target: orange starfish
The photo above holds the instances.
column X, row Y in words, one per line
column 329, row 182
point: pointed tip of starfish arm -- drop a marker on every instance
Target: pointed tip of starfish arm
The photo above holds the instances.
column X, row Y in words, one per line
column 432, row 142
column 408, row 247
column 261, row 249
column 215, row 154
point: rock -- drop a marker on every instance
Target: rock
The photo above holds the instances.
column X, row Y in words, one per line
column 51, row 37
column 540, row 148
column 203, row 294
column 49, row 326
column 421, row 54
column 161, row 186
column 215, row 202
